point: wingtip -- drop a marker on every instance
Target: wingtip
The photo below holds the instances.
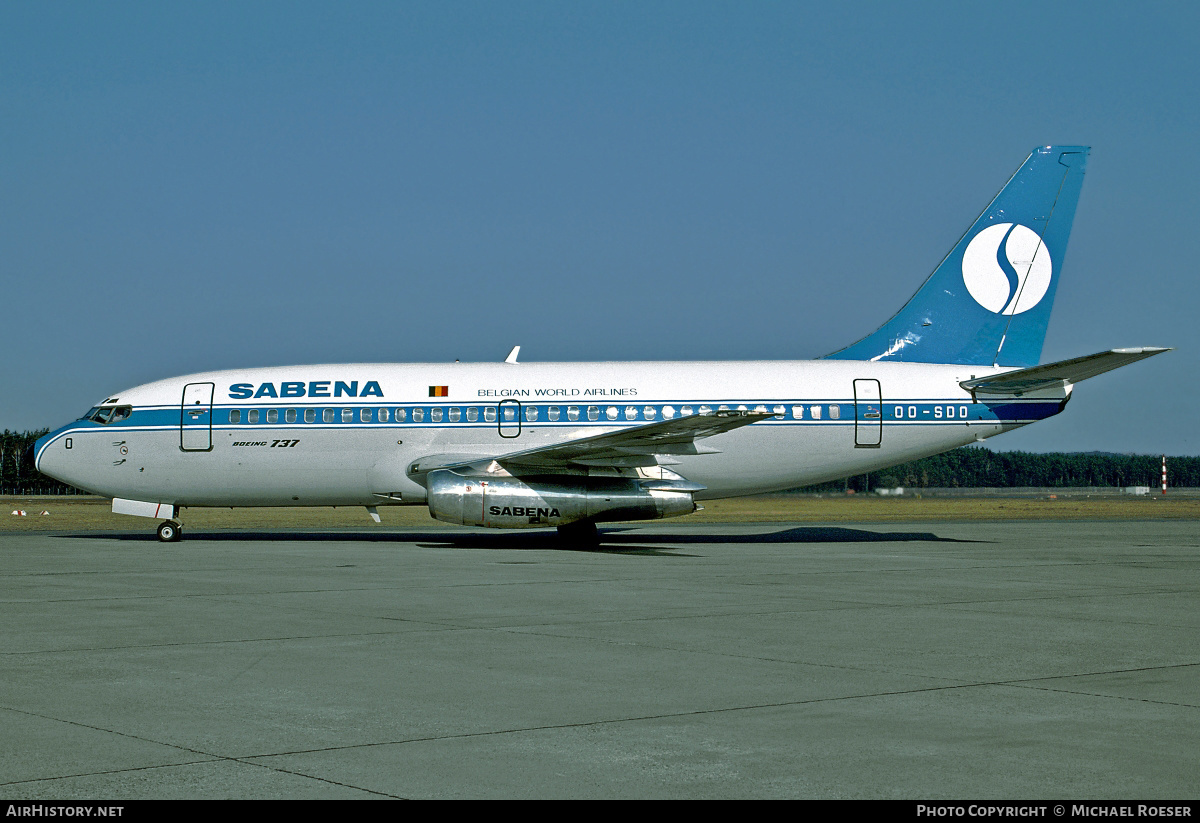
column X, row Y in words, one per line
column 1147, row 350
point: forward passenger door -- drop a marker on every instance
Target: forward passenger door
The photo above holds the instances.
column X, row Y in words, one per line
column 195, row 418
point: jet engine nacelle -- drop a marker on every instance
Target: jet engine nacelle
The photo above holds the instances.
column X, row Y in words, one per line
column 511, row 503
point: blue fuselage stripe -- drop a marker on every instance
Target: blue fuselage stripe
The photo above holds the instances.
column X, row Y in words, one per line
column 421, row 415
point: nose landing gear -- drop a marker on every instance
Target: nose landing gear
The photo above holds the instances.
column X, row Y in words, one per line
column 170, row 532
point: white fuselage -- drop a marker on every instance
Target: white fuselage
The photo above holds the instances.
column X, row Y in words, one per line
column 345, row 434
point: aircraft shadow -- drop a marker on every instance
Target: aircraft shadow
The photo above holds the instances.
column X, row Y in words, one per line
column 797, row 534
column 612, row 541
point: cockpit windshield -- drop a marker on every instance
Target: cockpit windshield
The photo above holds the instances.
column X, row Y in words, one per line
column 108, row 414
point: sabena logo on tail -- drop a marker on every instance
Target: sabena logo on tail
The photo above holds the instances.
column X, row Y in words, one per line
column 1007, row 268
column 988, row 302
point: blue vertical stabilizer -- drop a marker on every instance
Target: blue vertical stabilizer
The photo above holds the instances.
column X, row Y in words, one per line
column 989, row 301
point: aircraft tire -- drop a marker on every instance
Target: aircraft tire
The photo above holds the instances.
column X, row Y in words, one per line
column 581, row 533
column 170, row 532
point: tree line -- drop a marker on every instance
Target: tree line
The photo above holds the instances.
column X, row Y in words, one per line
column 979, row 467
column 15, row 477
column 968, row 467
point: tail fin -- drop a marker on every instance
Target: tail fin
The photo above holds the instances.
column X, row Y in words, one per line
column 988, row 302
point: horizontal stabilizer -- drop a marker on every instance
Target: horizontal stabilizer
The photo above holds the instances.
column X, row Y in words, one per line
column 1058, row 375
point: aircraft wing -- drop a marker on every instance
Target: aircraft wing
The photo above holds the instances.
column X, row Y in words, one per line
column 1057, row 375
column 632, row 447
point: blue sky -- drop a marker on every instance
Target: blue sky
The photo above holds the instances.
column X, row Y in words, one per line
column 213, row 185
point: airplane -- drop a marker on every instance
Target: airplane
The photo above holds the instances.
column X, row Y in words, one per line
column 570, row 445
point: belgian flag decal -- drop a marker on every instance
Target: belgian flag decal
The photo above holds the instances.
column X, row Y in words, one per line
column 439, row 391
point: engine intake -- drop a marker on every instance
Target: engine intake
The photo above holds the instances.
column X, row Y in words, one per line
column 511, row 503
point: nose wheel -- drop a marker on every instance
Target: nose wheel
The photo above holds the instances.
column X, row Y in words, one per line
column 170, row 532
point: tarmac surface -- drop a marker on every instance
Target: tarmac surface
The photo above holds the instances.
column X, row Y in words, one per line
column 1014, row 660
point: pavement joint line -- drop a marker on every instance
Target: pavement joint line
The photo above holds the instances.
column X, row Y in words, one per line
column 251, row 759
column 209, row 757
column 1099, row 694
column 214, row 759
column 698, row 712
column 1106, row 671
column 800, row 606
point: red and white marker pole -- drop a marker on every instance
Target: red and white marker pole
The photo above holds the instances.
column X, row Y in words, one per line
column 1164, row 475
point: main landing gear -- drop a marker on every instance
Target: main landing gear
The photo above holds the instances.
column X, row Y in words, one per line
column 580, row 533
column 170, row 532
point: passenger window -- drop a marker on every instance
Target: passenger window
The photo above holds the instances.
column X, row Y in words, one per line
column 510, row 413
column 553, row 414
column 347, row 415
column 472, row 414
column 326, row 415
column 668, row 412
column 686, row 411
column 401, row 415
column 630, row 413
column 593, row 412
column 572, row 412
column 272, row 415
column 252, row 416
column 455, row 414
column 815, row 411
column 364, row 415
column 648, row 412
column 611, row 412
column 310, row 415
column 489, row 414
column 290, row 415
column 435, row 415
column 779, row 412
column 235, row 416
column 835, row 412
column 531, row 414
column 418, row 415
column 383, row 415
column 798, row 412
column 706, row 409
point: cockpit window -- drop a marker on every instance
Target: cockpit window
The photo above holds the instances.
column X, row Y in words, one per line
column 108, row 414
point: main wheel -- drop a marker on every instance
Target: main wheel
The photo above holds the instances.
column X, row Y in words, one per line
column 580, row 533
column 169, row 531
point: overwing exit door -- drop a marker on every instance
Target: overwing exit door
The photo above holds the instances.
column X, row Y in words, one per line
column 508, row 418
